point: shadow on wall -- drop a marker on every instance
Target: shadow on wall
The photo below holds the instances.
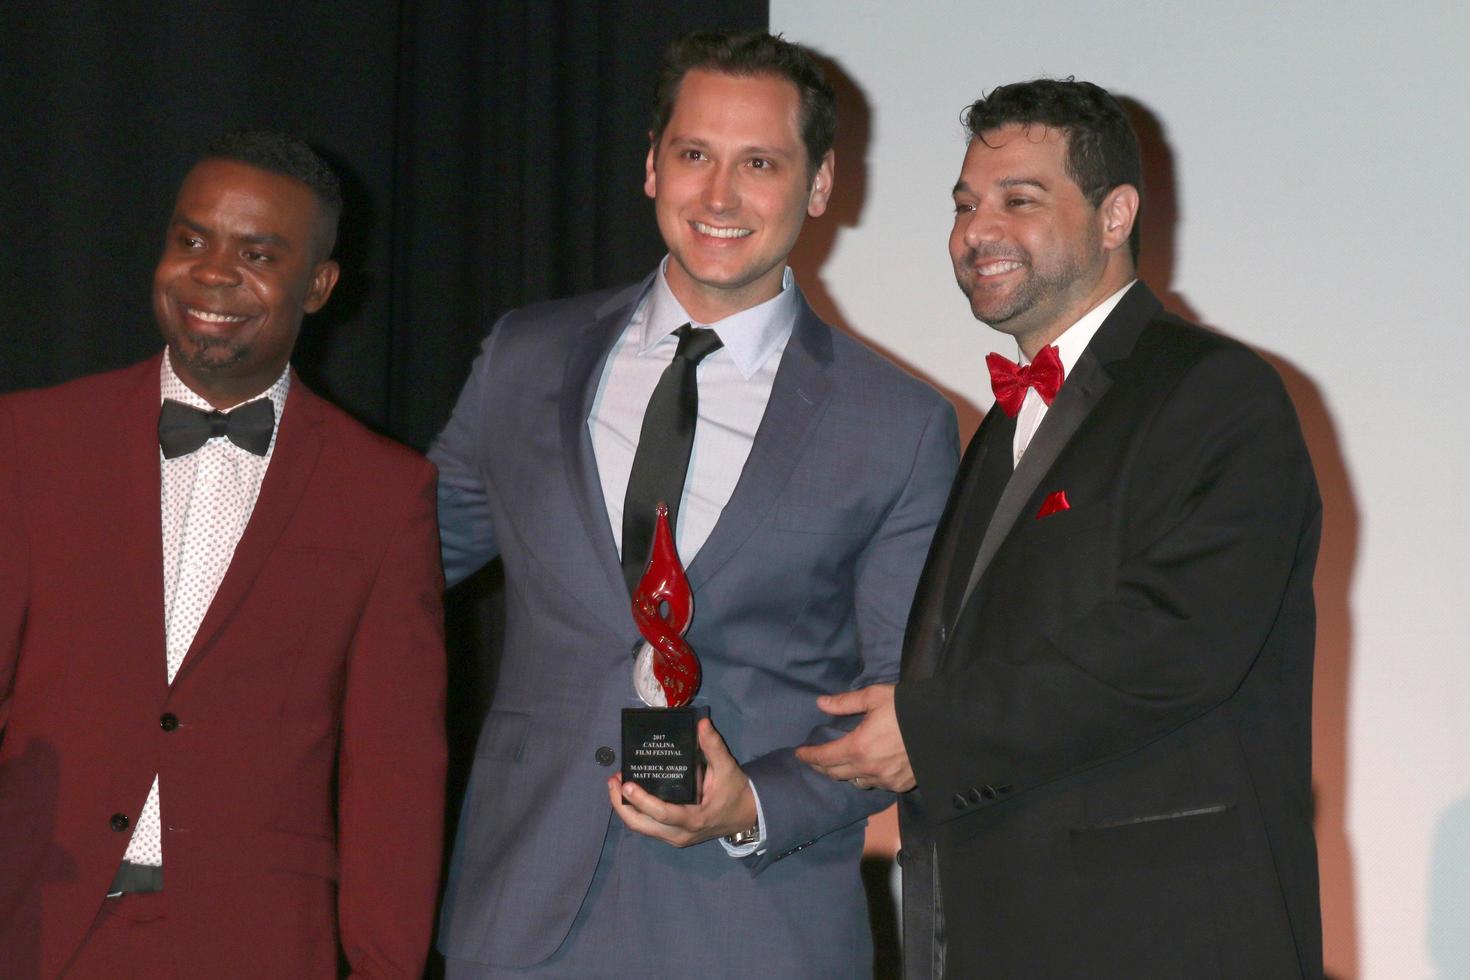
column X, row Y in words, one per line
column 1449, row 893
column 850, row 184
column 321, row 332
column 1336, row 562
column 818, row 237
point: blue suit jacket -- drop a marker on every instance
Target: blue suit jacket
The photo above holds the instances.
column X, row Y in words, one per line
column 803, row 587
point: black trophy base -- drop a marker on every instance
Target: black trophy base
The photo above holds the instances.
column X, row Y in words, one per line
column 661, row 752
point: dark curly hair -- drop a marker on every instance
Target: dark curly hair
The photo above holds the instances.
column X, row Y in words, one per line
column 748, row 53
column 282, row 153
column 1102, row 149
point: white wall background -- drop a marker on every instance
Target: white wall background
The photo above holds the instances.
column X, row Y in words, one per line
column 1319, row 156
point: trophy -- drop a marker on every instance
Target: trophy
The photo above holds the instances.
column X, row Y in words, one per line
column 660, row 742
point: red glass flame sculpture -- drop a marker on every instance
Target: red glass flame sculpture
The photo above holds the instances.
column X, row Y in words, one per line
column 663, row 606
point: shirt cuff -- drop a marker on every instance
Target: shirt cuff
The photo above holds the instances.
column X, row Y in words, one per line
column 757, row 846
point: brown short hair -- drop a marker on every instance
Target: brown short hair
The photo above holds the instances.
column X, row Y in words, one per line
column 746, row 53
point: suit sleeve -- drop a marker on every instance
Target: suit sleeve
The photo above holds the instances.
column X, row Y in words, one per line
column 13, row 565
column 799, row 805
column 466, row 531
column 392, row 755
column 1219, row 513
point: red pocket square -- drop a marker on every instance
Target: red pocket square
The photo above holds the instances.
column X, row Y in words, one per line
column 1055, row 501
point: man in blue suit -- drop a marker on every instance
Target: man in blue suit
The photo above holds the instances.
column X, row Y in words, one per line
column 816, row 475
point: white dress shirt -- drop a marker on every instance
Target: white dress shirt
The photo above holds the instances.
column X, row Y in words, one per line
column 734, row 386
column 206, row 499
column 1069, row 345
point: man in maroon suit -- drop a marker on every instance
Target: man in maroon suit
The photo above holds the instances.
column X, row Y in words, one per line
column 221, row 650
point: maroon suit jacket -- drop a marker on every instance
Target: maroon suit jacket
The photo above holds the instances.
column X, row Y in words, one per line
column 301, row 750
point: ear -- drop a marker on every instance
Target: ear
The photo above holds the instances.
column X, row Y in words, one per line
column 323, row 281
column 1116, row 215
column 650, row 178
column 821, row 192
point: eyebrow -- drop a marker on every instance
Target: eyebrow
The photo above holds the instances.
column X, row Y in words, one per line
column 1010, row 182
column 262, row 239
column 961, row 187
column 753, row 149
column 769, row 151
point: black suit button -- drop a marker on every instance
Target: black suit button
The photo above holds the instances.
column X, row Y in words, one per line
column 605, row 755
column 988, row 792
column 169, row 722
column 119, row 822
column 960, row 803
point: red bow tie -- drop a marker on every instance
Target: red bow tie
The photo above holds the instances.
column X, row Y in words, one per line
column 1010, row 380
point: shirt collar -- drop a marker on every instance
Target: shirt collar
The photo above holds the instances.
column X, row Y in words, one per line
column 170, row 386
column 1074, row 339
column 751, row 336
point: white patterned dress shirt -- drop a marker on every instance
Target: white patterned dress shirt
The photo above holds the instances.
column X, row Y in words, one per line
column 206, row 498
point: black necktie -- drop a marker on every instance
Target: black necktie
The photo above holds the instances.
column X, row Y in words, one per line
column 662, row 459
column 183, row 429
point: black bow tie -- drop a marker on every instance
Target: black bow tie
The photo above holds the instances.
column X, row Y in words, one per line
column 182, row 429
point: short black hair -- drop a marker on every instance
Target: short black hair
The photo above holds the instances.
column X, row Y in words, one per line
column 1102, row 148
column 290, row 156
column 746, row 54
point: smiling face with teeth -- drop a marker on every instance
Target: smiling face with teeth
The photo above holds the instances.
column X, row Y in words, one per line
column 1029, row 250
column 732, row 185
column 239, row 269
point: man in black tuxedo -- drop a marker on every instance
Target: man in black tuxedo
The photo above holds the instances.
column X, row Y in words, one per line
column 1103, row 721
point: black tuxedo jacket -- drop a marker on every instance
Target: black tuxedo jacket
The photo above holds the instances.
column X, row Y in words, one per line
column 1108, row 707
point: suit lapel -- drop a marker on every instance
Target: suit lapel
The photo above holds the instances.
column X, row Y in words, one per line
column 799, row 396
column 585, row 363
column 1084, row 388
column 927, row 629
column 1082, row 391
column 294, row 459
column 137, row 548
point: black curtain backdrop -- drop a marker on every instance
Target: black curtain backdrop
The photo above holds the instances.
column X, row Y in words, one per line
column 492, row 153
